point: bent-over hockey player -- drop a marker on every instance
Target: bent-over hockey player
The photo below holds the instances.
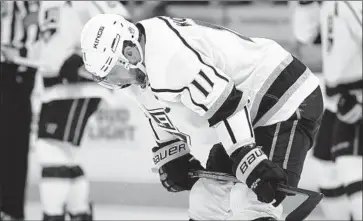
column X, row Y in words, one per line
column 63, row 116
column 263, row 105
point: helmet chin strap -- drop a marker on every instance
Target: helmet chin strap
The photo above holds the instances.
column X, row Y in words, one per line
column 141, row 67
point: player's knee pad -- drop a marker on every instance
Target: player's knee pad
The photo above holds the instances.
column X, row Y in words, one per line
column 327, row 175
column 350, row 172
column 209, row 200
column 335, row 204
column 246, row 206
column 54, row 218
column 355, row 204
column 349, row 169
column 83, row 216
column 265, row 219
column 53, row 153
column 65, row 172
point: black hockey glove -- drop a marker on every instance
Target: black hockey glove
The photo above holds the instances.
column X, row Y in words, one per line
column 349, row 109
column 70, row 68
column 252, row 167
column 218, row 160
column 174, row 161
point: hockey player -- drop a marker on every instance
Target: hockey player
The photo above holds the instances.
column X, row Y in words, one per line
column 263, row 105
column 340, row 27
column 306, row 28
column 341, row 30
column 63, row 116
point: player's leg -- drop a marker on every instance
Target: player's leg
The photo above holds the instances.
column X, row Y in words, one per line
column 335, row 202
column 285, row 143
column 347, row 151
column 210, row 199
column 78, row 203
column 54, row 156
column 61, row 126
column 64, row 187
column 54, row 185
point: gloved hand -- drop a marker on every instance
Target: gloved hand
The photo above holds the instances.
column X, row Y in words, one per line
column 349, row 109
column 252, row 167
column 218, row 160
column 69, row 71
column 174, row 162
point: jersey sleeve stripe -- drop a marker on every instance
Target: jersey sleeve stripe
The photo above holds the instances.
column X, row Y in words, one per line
column 267, row 84
column 162, row 90
column 353, row 12
column 195, row 103
column 298, row 90
column 200, row 88
column 201, row 73
column 249, row 121
column 236, row 131
column 275, row 92
column 192, row 49
column 179, row 91
column 230, row 132
column 226, row 106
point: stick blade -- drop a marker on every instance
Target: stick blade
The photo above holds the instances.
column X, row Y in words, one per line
column 305, row 208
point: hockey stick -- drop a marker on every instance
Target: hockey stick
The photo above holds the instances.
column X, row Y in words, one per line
column 299, row 213
column 69, row 91
column 26, row 62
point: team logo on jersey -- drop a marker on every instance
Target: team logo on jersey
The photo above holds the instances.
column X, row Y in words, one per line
column 160, row 117
column 51, row 128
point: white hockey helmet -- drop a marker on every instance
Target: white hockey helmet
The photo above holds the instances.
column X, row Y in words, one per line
column 102, row 42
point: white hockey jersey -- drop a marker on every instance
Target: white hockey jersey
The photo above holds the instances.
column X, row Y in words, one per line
column 341, row 28
column 172, row 120
column 61, row 23
column 305, row 20
column 227, row 79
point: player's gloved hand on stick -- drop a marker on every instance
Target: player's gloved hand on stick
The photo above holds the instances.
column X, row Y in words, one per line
column 349, row 109
column 174, row 161
column 218, row 160
column 252, row 167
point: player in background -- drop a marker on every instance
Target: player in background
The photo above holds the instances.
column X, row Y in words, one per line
column 305, row 23
column 64, row 187
column 263, row 105
column 342, row 52
column 306, row 28
column 341, row 30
